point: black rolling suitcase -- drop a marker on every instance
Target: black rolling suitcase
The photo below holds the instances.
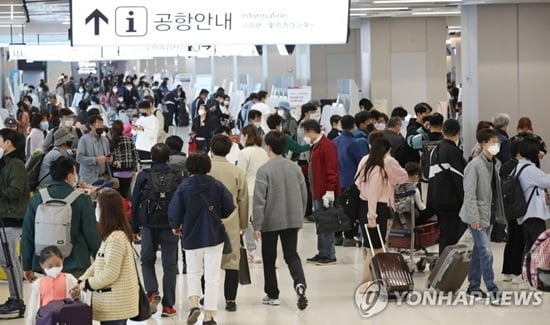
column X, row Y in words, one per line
column 451, row 269
column 390, row 268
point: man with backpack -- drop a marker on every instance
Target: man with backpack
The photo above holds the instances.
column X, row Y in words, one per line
column 482, row 208
column 445, row 190
column 75, row 223
column 14, row 197
column 152, row 193
column 63, row 141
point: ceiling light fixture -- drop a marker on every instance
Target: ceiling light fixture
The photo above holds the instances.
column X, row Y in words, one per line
column 454, row 27
column 412, row 1
column 436, row 13
column 379, row 9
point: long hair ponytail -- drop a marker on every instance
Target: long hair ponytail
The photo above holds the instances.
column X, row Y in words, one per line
column 378, row 151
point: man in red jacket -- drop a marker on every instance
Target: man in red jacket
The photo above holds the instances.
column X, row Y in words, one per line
column 325, row 184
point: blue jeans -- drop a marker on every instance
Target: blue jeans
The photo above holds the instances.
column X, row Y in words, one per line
column 481, row 263
column 325, row 241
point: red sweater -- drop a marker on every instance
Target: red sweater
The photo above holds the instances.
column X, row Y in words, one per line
column 324, row 168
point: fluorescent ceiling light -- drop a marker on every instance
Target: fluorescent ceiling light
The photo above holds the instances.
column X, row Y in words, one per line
column 379, row 9
column 436, row 13
column 454, row 27
column 413, row 1
column 66, row 23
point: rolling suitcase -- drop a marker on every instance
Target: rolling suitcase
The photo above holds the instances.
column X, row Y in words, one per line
column 390, row 268
column 451, row 269
column 66, row 312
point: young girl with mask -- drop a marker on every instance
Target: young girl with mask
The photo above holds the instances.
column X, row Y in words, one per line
column 56, row 285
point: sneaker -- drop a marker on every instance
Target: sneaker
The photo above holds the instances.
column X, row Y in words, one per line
column 12, row 306
column 507, row 277
column 302, row 300
column 194, row 314
column 313, row 259
column 326, row 261
column 517, row 280
column 494, row 298
column 210, row 322
column 154, row 301
column 477, row 294
column 338, row 241
column 349, row 242
column 271, row 302
column 231, row 306
column 168, row 311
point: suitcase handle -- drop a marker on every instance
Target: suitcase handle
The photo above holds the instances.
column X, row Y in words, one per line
column 365, row 230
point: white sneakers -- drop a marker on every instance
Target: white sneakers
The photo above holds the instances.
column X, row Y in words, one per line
column 515, row 279
column 271, row 302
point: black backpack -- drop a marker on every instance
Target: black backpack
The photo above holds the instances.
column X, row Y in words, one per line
column 515, row 205
column 428, row 147
column 156, row 195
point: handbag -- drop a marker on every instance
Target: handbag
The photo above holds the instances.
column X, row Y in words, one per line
column 144, row 309
column 227, row 248
column 350, row 201
column 244, row 270
column 192, row 145
column 331, row 219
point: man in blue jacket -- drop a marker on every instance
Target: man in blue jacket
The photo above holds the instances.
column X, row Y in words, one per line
column 349, row 156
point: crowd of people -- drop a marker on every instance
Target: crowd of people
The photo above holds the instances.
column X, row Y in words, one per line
column 263, row 186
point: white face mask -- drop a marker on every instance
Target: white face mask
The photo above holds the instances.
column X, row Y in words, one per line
column 494, row 149
column 80, row 90
column 68, row 123
column 380, row 126
column 281, row 112
column 307, row 140
column 226, row 103
column 115, row 89
column 1, row 152
column 75, row 178
column 315, row 116
column 243, row 141
column 120, row 99
column 202, row 112
column 53, row 272
column 258, row 124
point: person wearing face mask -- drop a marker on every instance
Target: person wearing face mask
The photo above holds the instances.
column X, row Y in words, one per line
column 361, row 132
column 84, row 234
column 171, row 105
column 67, row 122
column 56, row 285
column 14, row 198
column 146, row 130
column 290, row 125
column 80, row 95
column 502, row 123
column 39, row 126
column 325, row 184
column 262, row 107
column 29, row 100
column 335, row 122
column 274, row 122
column 94, row 153
column 63, row 141
column 445, row 190
column 482, row 208
column 203, row 126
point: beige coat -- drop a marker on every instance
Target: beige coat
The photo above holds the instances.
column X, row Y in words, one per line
column 121, row 277
column 234, row 179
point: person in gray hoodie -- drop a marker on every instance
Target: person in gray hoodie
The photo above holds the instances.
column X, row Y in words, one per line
column 280, row 198
column 483, row 207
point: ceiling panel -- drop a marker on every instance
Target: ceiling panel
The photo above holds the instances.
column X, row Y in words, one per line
column 48, row 11
column 12, row 12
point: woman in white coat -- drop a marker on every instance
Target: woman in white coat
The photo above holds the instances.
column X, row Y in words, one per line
column 251, row 158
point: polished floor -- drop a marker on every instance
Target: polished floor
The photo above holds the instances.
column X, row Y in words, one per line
column 331, row 294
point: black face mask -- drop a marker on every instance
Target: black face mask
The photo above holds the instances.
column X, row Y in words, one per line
column 99, row 131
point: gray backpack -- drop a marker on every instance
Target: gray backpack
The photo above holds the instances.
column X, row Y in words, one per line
column 52, row 224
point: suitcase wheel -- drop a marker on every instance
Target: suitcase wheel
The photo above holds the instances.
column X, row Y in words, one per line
column 421, row 265
column 432, row 265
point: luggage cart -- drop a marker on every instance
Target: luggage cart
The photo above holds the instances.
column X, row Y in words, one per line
column 414, row 241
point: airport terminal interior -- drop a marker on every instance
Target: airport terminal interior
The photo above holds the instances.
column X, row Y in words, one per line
column 466, row 75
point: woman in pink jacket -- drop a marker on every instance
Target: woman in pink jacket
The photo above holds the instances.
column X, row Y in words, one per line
column 379, row 173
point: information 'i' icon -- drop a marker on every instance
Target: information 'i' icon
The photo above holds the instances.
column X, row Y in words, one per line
column 130, row 20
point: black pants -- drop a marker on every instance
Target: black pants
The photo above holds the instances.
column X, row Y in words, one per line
column 231, row 284
column 451, row 228
column 124, row 187
column 513, row 251
column 289, row 241
column 309, row 207
column 348, row 234
column 144, row 155
column 532, row 228
column 172, row 114
column 383, row 214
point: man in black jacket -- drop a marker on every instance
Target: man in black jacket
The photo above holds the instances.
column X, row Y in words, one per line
column 445, row 188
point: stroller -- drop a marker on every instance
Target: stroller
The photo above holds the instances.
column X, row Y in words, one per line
column 409, row 238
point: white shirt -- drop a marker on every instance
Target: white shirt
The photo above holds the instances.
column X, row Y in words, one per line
column 147, row 138
column 266, row 111
column 34, row 141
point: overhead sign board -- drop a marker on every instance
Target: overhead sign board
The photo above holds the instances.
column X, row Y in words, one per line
column 299, row 96
column 145, row 22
